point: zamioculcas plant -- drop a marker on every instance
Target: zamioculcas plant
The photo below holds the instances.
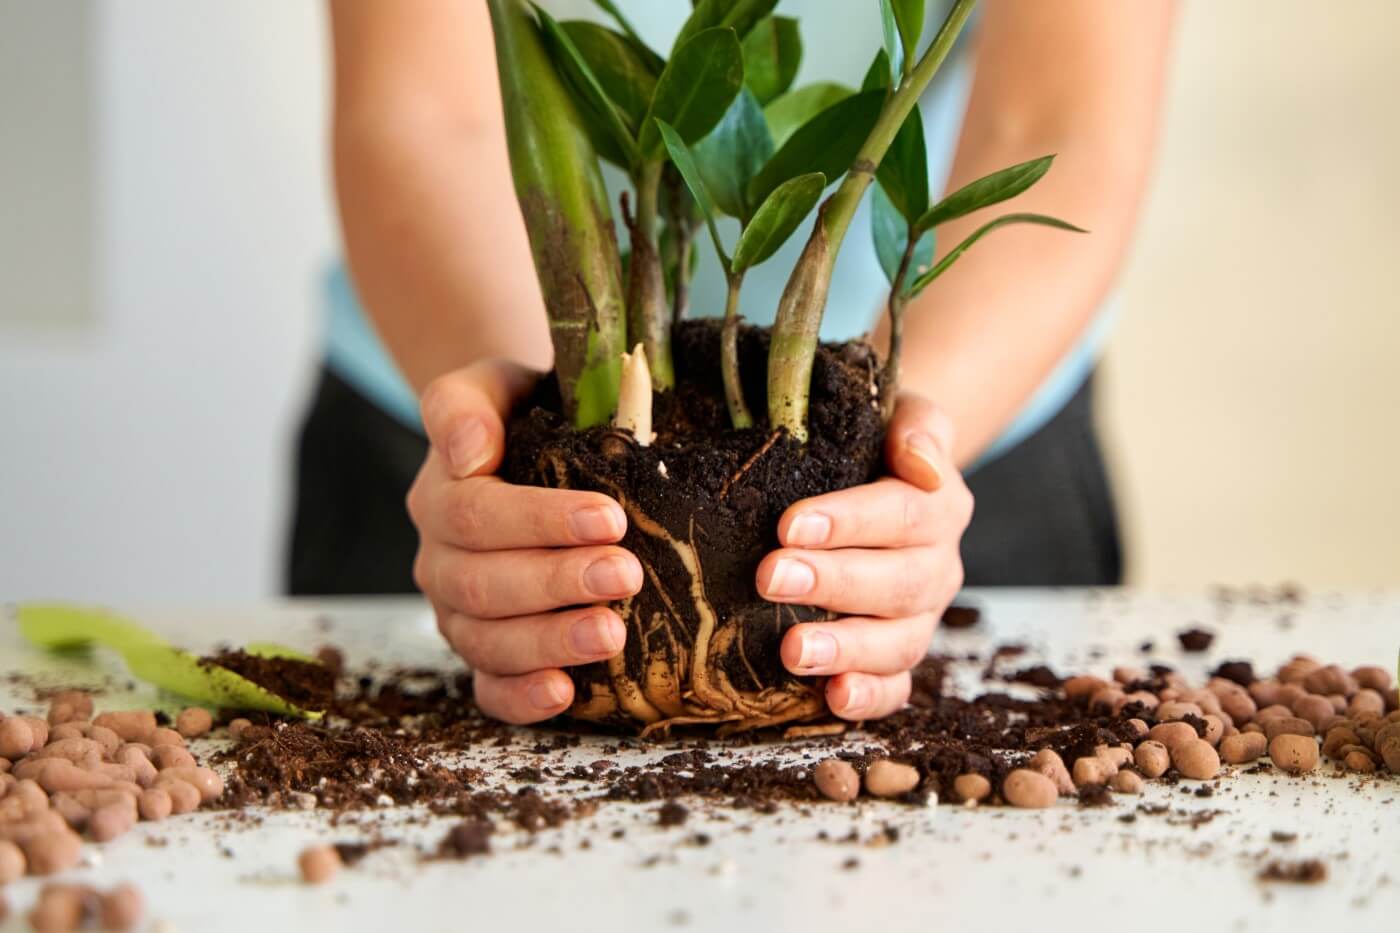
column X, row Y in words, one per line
column 717, row 428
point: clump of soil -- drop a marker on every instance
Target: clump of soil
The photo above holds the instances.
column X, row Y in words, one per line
column 956, row 616
column 307, row 684
column 1195, row 639
column 703, row 502
column 1307, row 871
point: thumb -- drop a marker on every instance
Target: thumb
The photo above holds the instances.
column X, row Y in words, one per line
column 464, row 413
column 919, row 442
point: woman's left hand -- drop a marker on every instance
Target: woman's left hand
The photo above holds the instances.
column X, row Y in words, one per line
column 885, row 555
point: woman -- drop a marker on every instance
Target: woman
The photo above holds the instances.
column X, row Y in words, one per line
column 1005, row 344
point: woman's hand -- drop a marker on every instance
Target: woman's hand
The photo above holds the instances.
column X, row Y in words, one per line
column 499, row 562
column 887, row 555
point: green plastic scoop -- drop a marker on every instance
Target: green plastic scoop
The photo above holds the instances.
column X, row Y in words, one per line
column 55, row 627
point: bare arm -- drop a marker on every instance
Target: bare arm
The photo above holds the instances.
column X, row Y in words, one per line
column 434, row 239
column 1081, row 78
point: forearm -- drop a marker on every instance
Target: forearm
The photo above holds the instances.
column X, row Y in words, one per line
column 983, row 338
column 436, row 247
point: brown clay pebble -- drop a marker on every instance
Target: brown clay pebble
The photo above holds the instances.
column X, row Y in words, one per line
column 53, row 852
column 1152, row 758
column 1390, row 752
column 39, row 729
column 122, row 908
column 837, row 780
column 1359, row 761
column 1030, row 790
column 318, row 864
column 194, row 722
column 1126, row 782
column 1372, row 678
column 184, row 798
column 59, row 909
column 1049, row 763
column 1196, row 760
column 172, row 756
column 236, row 727
column 16, row 738
column 1172, row 734
column 204, row 780
column 1089, row 770
column 165, row 736
column 11, row 862
column 1243, row 748
column 971, row 787
column 110, row 821
column 1294, row 753
column 885, row 778
column 154, row 804
column 1339, row 737
column 133, row 725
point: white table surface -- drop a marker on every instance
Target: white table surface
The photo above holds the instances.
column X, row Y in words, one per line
column 951, row 869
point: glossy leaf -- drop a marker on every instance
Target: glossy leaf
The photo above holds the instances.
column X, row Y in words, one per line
column 909, row 22
column 623, row 74
column 890, row 231
column 786, row 113
column 697, row 87
column 904, row 170
column 654, row 62
column 776, row 218
column 878, row 74
column 733, row 153
column 986, row 191
column 684, row 160
column 772, row 52
column 923, row 281
column 740, row 15
column 584, row 83
column 894, row 48
column 827, row 143
column 57, row 627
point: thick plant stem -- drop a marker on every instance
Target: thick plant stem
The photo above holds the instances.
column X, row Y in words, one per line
column 889, row 382
column 739, row 414
column 804, row 299
column 680, row 286
column 560, row 189
column 648, row 317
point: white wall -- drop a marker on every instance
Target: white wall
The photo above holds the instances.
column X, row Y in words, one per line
column 146, row 455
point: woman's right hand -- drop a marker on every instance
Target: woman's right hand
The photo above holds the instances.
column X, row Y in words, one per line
column 517, row 575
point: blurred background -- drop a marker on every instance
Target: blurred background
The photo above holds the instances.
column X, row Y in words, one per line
column 165, row 214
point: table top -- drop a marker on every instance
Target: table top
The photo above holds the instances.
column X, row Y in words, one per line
column 806, row 867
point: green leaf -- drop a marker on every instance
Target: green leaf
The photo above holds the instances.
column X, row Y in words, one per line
column 878, row 74
column 786, row 113
column 772, row 53
column 776, row 218
column 904, row 169
column 739, row 15
column 890, row 230
column 586, row 86
column 624, row 75
column 697, row 87
column 654, row 62
column 923, row 281
column 733, row 153
column 684, row 161
column 149, row 657
column 909, row 20
column 894, row 47
column 827, row 143
column 984, row 192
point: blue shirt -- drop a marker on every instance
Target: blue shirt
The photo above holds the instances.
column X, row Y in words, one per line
column 858, row 287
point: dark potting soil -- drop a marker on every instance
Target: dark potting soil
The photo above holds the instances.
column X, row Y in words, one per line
column 1307, row 871
column 705, row 493
column 1195, row 639
column 308, row 685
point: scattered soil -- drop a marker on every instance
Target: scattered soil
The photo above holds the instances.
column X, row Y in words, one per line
column 1195, row 639
column 956, row 616
column 308, row 685
column 1307, row 871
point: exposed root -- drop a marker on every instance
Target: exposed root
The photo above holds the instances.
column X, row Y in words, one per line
column 748, row 464
column 815, row 731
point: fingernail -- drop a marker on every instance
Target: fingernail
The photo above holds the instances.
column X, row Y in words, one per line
column 791, row 578
column 925, row 454
column 855, row 698
column 596, row 635
column 601, row 523
column 818, row 650
column 545, row 695
column 809, row 530
column 467, row 448
column 610, row 577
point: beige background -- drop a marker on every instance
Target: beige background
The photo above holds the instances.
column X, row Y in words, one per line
column 1251, row 392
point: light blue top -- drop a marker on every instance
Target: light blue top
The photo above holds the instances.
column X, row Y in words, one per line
column 858, row 287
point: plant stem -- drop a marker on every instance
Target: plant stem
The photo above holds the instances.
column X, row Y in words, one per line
column 889, row 383
column 739, row 414
column 648, row 318
column 680, row 298
column 800, row 310
column 560, row 189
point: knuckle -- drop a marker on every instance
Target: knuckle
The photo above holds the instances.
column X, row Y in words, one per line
column 472, row 591
column 421, row 578
column 907, row 590
column 468, row 519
